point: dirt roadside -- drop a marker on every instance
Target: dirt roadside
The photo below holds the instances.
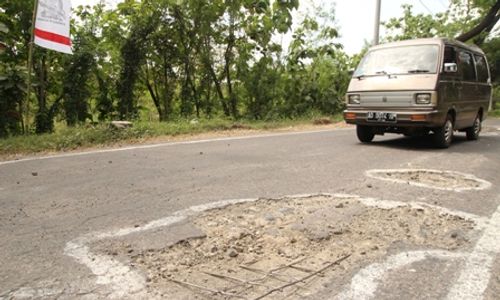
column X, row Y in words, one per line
column 237, row 132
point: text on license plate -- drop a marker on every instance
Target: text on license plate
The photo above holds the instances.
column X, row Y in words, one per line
column 381, row 116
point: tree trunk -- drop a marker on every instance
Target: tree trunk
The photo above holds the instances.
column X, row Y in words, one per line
column 227, row 68
column 488, row 21
column 218, row 87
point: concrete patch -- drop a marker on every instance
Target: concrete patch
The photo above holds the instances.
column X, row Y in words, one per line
column 153, row 239
column 325, row 206
column 434, row 179
column 117, row 278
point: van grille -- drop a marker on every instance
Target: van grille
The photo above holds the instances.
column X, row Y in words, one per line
column 387, row 99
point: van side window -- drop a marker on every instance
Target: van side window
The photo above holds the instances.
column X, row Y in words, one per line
column 450, row 55
column 466, row 66
column 482, row 68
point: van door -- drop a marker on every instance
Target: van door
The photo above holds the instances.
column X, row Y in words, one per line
column 483, row 87
column 467, row 105
column 449, row 83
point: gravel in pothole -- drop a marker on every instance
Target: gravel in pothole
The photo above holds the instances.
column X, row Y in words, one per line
column 252, row 249
column 434, row 179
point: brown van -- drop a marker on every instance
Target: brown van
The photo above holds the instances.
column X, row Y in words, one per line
column 417, row 87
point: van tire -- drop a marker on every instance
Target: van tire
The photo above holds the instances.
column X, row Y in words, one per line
column 365, row 133
column 473, row 132
column 443, row 136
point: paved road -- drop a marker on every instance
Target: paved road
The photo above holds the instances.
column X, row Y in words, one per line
column 45, row 203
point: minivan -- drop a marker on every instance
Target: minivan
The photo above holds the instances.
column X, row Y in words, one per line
column 418, row 87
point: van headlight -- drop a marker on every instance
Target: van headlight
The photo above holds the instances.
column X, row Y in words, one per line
column 425, row 98
column 354, row 99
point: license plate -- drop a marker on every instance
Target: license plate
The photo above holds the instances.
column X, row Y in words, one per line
column 381, row 117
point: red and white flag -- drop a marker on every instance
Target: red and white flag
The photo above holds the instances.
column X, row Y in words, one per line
column 53, row 24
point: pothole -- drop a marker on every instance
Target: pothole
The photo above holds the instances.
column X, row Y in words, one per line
column 442, row 180
column 292, row 247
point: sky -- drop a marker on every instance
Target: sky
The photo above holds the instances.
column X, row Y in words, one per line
column 355, row 18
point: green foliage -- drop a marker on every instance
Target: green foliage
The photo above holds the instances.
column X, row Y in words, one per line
column 411, row 26
column 75, row 85
column 70, row 138
column 12, row 90
column 182, row 59
column 317, row 69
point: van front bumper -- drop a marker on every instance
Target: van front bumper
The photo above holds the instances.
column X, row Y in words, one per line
column 414, row 118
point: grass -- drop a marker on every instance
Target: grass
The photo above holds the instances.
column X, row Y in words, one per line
column 67, row 139
column 495, row 113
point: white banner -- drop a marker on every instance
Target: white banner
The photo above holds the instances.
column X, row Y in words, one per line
column 52, row 26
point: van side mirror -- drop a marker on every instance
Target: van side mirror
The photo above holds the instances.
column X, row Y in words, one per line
column 350, row 72
column 450, row 68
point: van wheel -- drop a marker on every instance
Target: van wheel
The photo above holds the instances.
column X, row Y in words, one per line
column 365, row 133
column 443, row 136
column 473, row 132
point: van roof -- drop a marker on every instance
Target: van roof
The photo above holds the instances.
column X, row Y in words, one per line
column 439, row 41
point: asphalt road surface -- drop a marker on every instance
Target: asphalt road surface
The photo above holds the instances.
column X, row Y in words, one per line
column 46, row 203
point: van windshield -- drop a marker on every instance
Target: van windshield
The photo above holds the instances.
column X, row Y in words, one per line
column 399, row 60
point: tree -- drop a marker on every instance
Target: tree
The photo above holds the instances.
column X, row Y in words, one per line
column 469, row 21
column 486, row 25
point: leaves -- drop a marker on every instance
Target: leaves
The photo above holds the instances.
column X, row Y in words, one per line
column 172, row 59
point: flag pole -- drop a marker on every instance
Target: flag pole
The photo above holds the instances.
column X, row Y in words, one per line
column 30, row 67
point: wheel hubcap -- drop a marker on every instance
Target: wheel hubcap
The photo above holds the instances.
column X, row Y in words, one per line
column 448, row 130
column 477, row 126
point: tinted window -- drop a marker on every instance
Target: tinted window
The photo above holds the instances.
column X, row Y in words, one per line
column 482, row 68
column 466, row 66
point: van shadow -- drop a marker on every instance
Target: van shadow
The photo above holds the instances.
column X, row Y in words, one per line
column 421, row 143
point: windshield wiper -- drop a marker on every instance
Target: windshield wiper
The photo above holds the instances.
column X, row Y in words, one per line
column 385, row 73
column 359, row 77
column 418, row 71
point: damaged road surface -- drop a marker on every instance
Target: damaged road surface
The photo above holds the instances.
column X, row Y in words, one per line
column 292, row 247
column 392, row 220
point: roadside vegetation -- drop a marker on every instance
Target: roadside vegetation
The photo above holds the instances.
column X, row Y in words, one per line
column 103, row 135
column 496, row 111
column 163, row 63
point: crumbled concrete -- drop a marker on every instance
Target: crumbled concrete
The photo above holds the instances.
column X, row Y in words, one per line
column 445, row 180
column 244, row 243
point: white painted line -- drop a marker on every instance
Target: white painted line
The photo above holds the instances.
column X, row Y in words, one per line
column 169, row 144
column 122, row 280
column 476, row 273
column 365, row 283
column 125, row 282
column 376, row 174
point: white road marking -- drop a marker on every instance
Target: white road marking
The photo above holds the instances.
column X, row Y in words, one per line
column 376, row 175
column 168, row 144
column 32, row 293
column 473, row 279
column 125, row 282
column 365, row 283
column 476, row 273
